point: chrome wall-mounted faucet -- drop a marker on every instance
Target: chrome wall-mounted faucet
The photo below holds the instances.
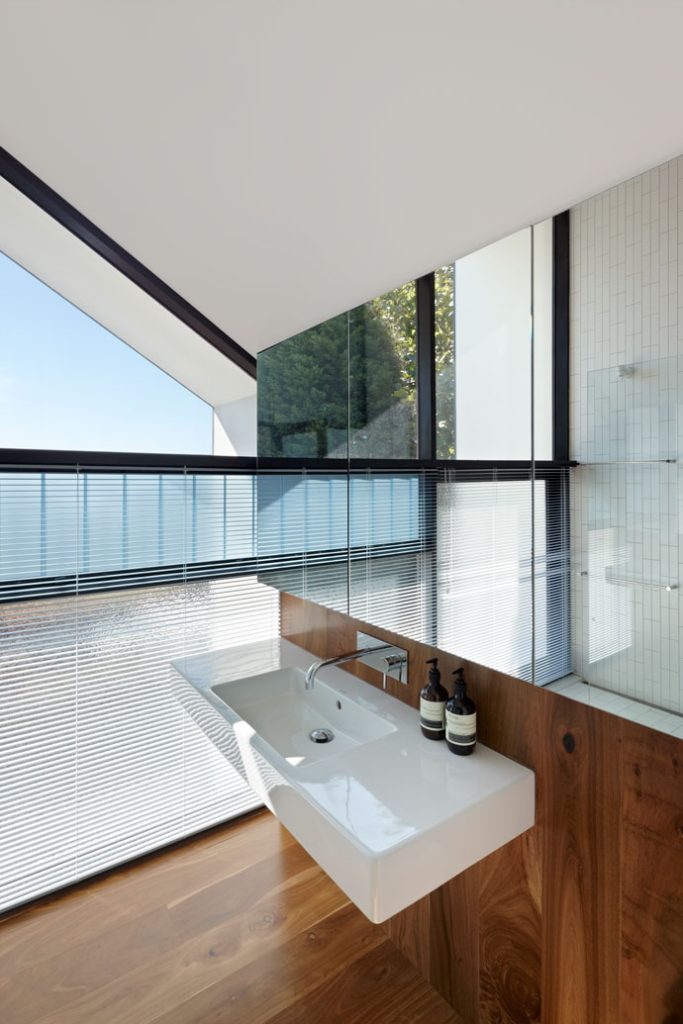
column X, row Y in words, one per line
column 386, row 658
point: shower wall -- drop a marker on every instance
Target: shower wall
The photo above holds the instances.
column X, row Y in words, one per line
column 625, row 396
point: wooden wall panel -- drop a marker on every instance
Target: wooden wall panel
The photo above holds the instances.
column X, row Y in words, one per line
column 579, row 835
column 579, row 921
column 652, row 877
column 510, row 933
column 454, row 942
column 411, row 933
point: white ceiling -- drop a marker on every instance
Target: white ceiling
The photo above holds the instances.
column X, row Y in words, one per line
column 278, row 161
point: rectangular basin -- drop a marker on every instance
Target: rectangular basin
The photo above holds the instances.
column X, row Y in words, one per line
column 284, row 713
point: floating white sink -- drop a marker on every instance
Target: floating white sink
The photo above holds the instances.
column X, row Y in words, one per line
column 388, row 814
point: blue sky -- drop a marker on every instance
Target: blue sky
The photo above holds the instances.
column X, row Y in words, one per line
column 66, row 382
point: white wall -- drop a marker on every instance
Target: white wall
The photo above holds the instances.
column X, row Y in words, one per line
column 626, row 397
column 493, row 303
column 235, row 427
column 543, row 339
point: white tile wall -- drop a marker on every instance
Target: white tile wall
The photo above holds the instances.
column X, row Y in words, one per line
column 626, row 385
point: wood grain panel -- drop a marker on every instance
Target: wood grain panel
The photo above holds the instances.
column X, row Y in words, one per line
column 510, row 933
column 411, row 932
column 579, row 921
column 454, row 943
column 652, row 864
column 580, row 839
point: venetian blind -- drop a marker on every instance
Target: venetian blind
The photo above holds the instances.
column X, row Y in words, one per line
column 392, row 566
column 105, row 580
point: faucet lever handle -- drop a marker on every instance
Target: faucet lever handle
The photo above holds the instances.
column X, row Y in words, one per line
column 393, row 662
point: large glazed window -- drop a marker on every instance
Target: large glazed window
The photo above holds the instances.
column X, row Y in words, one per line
column 106, row 580
column 113, row 566
column 68, row 383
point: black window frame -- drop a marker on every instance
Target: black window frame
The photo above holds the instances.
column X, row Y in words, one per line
column 554, row 472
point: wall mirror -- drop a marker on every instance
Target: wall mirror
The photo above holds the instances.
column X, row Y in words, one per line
column 502, row 440
column 426, row 422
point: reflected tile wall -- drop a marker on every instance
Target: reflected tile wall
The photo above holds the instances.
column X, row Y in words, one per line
column 626, row 423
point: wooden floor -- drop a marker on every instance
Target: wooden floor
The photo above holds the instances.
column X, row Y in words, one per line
column 238, row 926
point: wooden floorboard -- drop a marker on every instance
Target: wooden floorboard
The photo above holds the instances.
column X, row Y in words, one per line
column 31, row 935
column 239, row 926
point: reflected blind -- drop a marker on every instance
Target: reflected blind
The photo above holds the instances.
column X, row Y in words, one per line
column 359, row 543
column 473, row 561
column 105, row 580
column 485, row 570
column 302, row 535
column 392, row 569
column 502, row 571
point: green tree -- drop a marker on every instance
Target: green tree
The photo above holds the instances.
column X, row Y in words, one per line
column 355, row 376
column 303, row 392
column 444, row 358
column 396, row 309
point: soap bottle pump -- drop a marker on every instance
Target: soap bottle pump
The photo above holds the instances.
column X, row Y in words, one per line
column 461, row 718
column 433, row 698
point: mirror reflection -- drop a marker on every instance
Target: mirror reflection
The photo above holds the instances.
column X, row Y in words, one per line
column 508, row 427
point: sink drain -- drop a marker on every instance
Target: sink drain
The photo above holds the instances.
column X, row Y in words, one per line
column 321, row 735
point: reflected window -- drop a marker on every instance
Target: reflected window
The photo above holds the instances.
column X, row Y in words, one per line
column 346, row 387
column 484, row 354
column 303, row 394
column 382, row 359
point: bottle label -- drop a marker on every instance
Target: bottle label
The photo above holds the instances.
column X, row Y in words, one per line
column 461, row 730
column 433, row 714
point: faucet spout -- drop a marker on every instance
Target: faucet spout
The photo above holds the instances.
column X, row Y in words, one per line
column 340, row 659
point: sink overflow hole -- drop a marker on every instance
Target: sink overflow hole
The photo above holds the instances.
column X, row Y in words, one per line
column 321, row 735
column 338, row 705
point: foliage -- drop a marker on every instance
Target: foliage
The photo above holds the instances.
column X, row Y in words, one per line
column 302, row 392
column 354, row 377
column 444, row 358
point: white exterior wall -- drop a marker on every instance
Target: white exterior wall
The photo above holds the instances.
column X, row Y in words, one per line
column 234, row 427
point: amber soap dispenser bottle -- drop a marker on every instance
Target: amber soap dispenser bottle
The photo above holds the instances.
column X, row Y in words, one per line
column 433, row 698
column 461, row 718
